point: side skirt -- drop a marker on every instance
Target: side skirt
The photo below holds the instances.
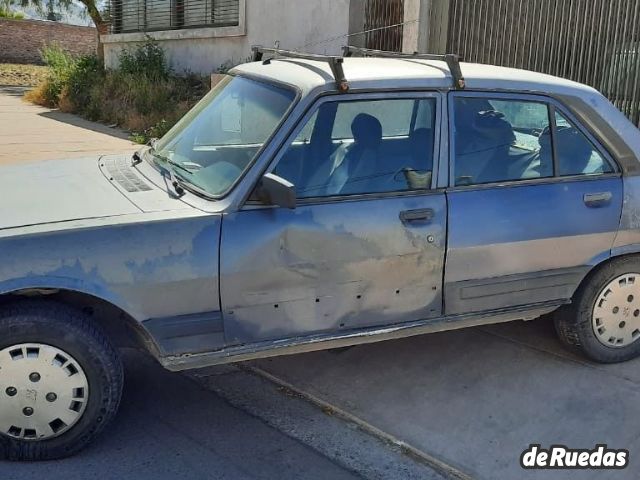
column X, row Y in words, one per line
column 325, row 341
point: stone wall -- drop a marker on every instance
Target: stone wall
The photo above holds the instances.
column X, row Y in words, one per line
column 22, row 40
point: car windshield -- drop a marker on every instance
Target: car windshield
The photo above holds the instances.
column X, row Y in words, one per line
column 218, row 139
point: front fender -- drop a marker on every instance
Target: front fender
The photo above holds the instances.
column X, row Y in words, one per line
column 75, row 285
column 148, row 269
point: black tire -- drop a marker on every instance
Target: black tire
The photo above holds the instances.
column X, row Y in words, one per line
column 70, row 330
column 574, row 322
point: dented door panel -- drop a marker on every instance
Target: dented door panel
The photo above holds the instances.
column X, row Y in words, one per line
column 333, row 266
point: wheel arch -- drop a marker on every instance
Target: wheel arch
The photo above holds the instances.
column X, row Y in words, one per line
column 616, row 254
column 118, row 323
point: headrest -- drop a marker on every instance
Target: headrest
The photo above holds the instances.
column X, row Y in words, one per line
column 367, row 130
column 492, row 125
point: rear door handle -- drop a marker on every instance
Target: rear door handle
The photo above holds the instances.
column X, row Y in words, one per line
column 597, row 199
column 419, row 215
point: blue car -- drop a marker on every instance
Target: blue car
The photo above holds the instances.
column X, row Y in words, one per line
column 312, row 202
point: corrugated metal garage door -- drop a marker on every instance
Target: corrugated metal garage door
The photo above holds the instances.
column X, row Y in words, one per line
column 596, row 42
column 383, row 24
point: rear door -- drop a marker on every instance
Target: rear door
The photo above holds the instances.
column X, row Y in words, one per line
column 365, row 245
column 534, row 201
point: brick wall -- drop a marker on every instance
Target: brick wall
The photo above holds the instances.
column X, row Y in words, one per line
column 21, row 40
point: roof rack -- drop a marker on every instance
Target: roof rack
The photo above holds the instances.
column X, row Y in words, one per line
column 452, row 60
column 335, row 62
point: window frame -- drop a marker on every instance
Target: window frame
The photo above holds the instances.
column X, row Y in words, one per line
column 354, row 97
column 553, row 105
column 116, row 33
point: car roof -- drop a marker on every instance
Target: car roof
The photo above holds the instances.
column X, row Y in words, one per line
column 395, row 73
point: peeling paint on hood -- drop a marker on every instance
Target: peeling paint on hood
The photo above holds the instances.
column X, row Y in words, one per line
column 58, row 191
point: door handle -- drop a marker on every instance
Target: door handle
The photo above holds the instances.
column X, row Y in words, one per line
column 419, row 215
column 597, row 199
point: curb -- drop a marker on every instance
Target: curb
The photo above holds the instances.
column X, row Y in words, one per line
column 449, row 471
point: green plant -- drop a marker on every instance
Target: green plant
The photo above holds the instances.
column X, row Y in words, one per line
column 142, row 95
column 61, row 65
column 5, row 12
column 147, row 59
column 85, row 72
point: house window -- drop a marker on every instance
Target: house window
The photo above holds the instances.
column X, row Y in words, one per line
column 156, row 15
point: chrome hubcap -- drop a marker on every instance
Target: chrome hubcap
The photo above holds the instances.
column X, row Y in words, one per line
column 43, row 391
column 616, row 313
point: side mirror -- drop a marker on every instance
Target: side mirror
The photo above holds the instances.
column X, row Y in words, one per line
column 275, row 190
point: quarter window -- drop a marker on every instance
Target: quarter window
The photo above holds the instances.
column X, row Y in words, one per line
column 576, row 154
column 360, row 147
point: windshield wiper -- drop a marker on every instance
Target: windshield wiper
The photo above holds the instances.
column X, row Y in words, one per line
column 173, row 163
column 192, row 187
column 179, row 191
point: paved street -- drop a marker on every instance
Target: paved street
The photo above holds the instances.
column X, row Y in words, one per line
column 476, row 398
column 169, row 427
column 29, row 132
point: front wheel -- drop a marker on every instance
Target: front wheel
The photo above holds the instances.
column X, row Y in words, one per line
column 60, row 381
column 604, row 319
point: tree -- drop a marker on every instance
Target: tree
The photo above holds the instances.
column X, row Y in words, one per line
column 91, row 7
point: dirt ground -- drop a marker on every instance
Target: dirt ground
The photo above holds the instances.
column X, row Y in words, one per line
column 12, row 74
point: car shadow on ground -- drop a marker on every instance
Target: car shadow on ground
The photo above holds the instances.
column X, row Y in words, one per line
column 170, row 427
column 86, row 124
column 13, row 90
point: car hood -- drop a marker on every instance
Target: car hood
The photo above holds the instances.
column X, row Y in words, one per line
column 58, row 191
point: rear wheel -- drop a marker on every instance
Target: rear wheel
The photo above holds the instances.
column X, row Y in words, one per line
column 604, row 318
column 60, row 381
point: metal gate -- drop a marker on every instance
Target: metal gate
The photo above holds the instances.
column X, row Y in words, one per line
column 383, row 24
column 596, row 42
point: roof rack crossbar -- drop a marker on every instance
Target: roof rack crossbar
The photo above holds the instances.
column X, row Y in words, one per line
column 452, row 60
column 335, row 62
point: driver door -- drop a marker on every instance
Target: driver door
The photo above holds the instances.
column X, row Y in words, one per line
column 364, row 251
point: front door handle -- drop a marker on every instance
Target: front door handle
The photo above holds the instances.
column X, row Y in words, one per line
column 419, row 215
column 597, row 199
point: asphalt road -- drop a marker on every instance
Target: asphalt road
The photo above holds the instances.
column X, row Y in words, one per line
column 171, row 427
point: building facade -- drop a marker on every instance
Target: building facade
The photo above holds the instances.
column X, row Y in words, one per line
column 202, row 35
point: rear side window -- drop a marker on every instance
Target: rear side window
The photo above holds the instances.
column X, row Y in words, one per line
column 576, row 154
column 499, row 140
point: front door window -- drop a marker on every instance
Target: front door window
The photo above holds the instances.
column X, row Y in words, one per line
column 363, row 147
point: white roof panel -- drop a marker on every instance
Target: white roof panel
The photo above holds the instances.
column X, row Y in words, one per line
column 410, row 73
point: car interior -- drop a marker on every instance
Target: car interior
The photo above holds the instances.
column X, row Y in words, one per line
column 369, row 160
column 491, row 149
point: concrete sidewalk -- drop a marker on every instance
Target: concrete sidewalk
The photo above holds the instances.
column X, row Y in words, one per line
column 477, row 398
column 29, row 132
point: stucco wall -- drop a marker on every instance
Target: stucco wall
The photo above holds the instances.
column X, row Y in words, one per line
column 22, row 40
column 296, row 24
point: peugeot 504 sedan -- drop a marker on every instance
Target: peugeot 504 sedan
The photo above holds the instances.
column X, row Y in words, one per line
column 312, row 202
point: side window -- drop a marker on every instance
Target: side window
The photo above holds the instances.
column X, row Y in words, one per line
column 358, row 147
column 576, row 154
column 501, row 140
column 394, row 116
